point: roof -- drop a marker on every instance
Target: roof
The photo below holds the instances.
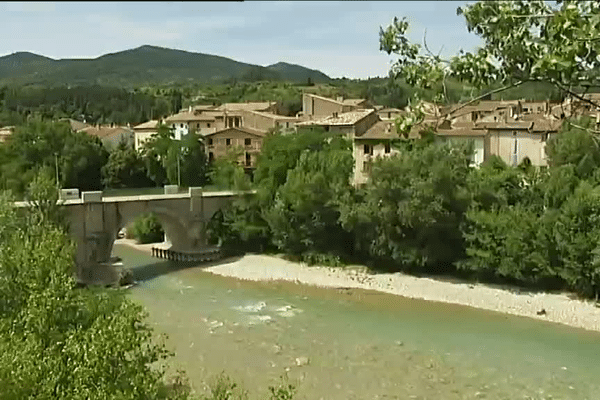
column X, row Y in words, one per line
column 347, row 118
column 530, row 122
column 273, row 116
column 189, row 116
column 76, row 125
column 461, row 131
column 153, row 124
column 242, row 129
column 250, row 106
column 353, row 102
column 106, row 131
column 381, row 130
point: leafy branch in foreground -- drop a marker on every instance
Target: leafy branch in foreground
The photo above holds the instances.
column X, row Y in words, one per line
column 523, row 41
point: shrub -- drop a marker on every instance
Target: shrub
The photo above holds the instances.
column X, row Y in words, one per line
column 147, row 229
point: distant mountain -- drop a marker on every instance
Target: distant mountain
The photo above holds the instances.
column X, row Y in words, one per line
column 298, row 73
column 143, row 65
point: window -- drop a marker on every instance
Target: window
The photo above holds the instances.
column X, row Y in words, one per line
column 366, row 167
column 228, row 142
column 248, row 142
column 211, row 156
column 388, row 148
column 208, row 124
column 248, row 159
column 210, row 142
column 368, row 149
column 181, row 125
column 544, row 137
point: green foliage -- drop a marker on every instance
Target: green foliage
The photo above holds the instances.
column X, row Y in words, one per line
column 576, row 146
column 304, row 216
column 169, row 161
column 60, row 343
column 511, row 242
column 577, row 234
column 411, row 212
column 224, row 388
column 552, row 43
column 227, row 172
column 125, row 168
column 51, row 145
column 283, row 390
column 147, row 229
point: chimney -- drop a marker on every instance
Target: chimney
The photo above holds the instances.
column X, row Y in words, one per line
column 190, row 108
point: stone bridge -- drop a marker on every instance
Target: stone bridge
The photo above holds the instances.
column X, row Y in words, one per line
column 95, row 221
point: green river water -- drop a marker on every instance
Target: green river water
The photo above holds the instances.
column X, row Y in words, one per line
column 358, row 344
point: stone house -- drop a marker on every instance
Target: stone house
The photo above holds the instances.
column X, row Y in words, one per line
column 112, row 135
column 463, row 132
column 514, row 140
column 143, row 132
column 316, row 107
column 349, row 124
column 248, row 141
column 264, row 121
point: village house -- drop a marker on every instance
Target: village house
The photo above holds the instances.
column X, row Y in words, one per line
column 374, row 142
column 185, row 122
column 389, row 113
column 246, row 140
column 316, row 107
column 349, row 124
column 526, row 137
column 143, row 132
column 111, row 135
column 459, row 132
column 264, row 121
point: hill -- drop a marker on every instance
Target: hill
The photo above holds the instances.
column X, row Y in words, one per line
column 142, row 66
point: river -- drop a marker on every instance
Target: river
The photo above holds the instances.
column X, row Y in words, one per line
column 357, row 344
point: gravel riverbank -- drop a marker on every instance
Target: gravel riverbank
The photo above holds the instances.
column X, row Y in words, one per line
column 558, row 308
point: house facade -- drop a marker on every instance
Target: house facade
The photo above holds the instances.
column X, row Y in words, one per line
column 112, row 135
column 316, row 107
column 143, row 132
column 248, row 141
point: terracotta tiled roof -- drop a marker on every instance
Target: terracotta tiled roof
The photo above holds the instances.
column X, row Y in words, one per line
column 347, row 118
column 189, row 116
column 381, row 130
column 105, row 131
column 274, row 116
column 243, row 129
column 254, row 106
column 153, row 124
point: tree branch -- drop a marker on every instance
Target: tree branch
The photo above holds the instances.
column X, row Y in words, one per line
column 576, row 95
column 512, row 85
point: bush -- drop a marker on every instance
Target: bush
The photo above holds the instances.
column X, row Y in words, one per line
column 147, row 229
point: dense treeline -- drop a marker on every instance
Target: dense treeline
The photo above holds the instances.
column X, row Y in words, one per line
column 94, row 104
column 78, row 160
column 427, row 210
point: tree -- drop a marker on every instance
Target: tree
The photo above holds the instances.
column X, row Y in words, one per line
column 226, row 171
column 125, row 168
column 194, row 163
column 38, row 144
column 57, row 342
column 410, row 214
column 524, row 41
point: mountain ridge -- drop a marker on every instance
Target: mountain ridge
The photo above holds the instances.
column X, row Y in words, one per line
column 146, row 64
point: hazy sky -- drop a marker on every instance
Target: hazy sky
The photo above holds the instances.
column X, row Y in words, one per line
column 338, row 38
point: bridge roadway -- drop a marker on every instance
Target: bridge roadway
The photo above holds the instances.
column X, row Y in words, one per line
column 94, row 222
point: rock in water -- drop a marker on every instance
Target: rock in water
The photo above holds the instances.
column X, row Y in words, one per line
column 126, row 277
column 300, row 361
